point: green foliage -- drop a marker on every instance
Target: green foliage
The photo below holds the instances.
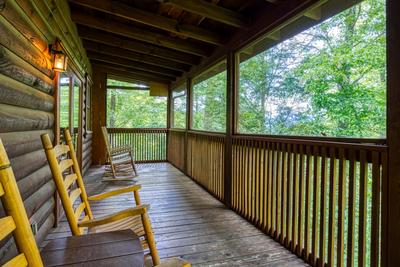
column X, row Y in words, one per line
column 329, row 80
column 209, row 104
column 179, row 109
column 135, row 109
column 64, row 106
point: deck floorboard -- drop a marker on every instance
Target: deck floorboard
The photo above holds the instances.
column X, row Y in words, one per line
column 188, row 222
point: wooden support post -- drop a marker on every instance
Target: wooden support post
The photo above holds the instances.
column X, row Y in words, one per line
column 189, row 112
column 230, row 125
column 99, row 116
column 391, row 189
column 170, row 118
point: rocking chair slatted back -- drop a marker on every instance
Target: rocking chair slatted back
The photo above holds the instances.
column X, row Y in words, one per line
column 70, row 184
column 16, row 221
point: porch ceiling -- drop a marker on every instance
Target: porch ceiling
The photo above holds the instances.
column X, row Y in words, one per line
column 159, row 40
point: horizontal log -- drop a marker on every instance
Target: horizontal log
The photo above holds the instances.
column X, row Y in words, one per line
column 87, row 144
column 139, row 34
column 87, row 157
column 158, row 21
column 15, row 93
column 126, row 73
column 45, row 229
column 87, row 153
column 18, row 44
column 115, row 59
column 13, row 66
column 86, row 167
column 128, row 54
column 40, row 216
column 8, row 249
column 19, row 143
column 31, row 183
column 26, row 164
column 139, row 47
column 23, row 23
column 13, row 119
column 35, row 201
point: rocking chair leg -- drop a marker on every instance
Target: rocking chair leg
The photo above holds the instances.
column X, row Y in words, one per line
column 133, row 163
column 150, row 239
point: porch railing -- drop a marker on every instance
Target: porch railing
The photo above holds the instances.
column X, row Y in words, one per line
column 319, row 198
column 149, row 145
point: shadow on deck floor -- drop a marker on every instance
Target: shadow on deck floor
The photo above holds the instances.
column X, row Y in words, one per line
column 188, row 222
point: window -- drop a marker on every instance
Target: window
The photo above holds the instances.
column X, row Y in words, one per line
column 329, row 80
column 209, row 99
column 88, row 104
column 64, row 90
column 76, row 104
column 129, row 105
column 179, row 98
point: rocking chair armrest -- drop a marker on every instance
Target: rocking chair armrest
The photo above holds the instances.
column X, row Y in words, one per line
column 120, row 150
column 116, row 192
column 131, row 212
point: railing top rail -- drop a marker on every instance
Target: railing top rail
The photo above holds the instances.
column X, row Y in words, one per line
column 177, row 130
column 207, row 133
column 137, row 130
column 369, row 144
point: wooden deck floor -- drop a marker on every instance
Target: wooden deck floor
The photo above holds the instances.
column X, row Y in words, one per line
column 188, row 222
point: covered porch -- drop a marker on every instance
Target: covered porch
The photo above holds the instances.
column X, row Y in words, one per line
column 265, row 132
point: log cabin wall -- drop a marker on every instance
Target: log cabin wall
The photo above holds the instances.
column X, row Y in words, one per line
column 28, row 100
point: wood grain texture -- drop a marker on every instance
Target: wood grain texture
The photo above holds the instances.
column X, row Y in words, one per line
column 148, row 51
column 188, row 222
column 13, row 119
column 16, row 93
column 13, row 66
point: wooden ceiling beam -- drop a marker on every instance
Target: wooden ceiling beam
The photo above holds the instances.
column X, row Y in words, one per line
column 130, row 73
column 131, row 64
column 136, row 46
column 210, row 11
column 129, row 31
column 138, row 15
column 123, row 53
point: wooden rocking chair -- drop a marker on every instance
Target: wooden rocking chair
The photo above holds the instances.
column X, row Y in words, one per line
column 80, row 216
column 16, row 223
column 122, row 164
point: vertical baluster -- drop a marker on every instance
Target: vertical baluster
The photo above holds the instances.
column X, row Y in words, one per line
column 316, row 206
column 278, row 230
column 265, row 186
column 322, row 219
column 308, row 201
column 289, row 217
column 284, row 194
column 270, row 187
column 300, row 237
column 342, row 208
column 257, row 184
column 251, row 181
column 351, row 210
column 362, row 225
column 376, row 189
column 295, row 198
column 262, row 192
column 273, row 189
column 332, row 207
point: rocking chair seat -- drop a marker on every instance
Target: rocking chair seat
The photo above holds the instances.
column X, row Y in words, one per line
column 118, row 248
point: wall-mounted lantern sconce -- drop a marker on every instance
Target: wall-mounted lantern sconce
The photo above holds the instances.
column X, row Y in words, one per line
column 60, row 59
